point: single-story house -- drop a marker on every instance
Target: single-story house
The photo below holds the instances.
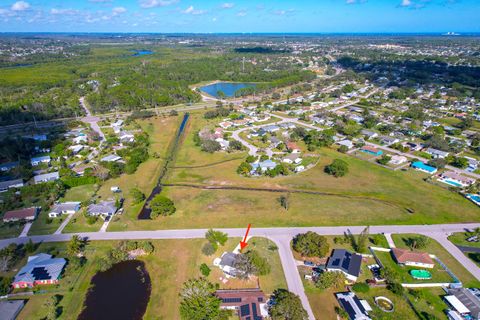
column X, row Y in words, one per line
column 28, row 214
column 7, row 166
column 369, row 134
column 418, row 165
column 437, row 154
column 64, row 208
column 76, row 148
column 292, row 158
column 80, row 169
column 287, row 125
column 412, row 258
column 456, row 304
column 38, row 160
column 227, row 263
column 46, row 177
column 225, row 124
column 347, row 143
column 345, row 262
column 372, row 150
column 389, row 140
column 271, row 128
column 356, row 309
column 9, row 309
column 126, row 137
column 224, row 144
column 103, row 209
column 468, row 297
column 451, row 177
column 264, row 165
column 293, row 147
column 249, row 304
column 396, row 159
column 111, row 158
column 80, row 139
column 414, row 146
column 40, row 269
column 10, row 184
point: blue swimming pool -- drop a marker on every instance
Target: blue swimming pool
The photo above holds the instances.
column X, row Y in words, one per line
column 474, row 198
column 452, row 183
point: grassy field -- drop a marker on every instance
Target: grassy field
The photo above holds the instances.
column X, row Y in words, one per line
column 80, row 193
column 460, row 238
column 78, row 223
column 171, row 264
column 43, row 225
column 435, row 248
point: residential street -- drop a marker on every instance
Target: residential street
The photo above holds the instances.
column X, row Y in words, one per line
column 282, row 238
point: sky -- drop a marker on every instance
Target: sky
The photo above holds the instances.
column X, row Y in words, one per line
column 216, row 16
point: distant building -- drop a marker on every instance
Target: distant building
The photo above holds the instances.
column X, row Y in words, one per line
column 264, row 165
column 249, row 304
column 39, row 160
column 7, row 166
column 10, row 184
column 27, row 214
column 437, row 154
column 412, row 258
column 111, row 158
column 369, row 134
column 396, row 160
column 345, row 262
column 40, row 269
column 47, row 177
column 292, row 158
column 347, row 143
column 356, row 309
column 454, row 178
column 293, row 147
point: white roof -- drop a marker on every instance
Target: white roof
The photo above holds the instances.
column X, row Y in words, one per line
column 457, row 304
column 453, row 315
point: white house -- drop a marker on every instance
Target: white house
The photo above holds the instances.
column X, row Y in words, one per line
column 46, row 177
column 38, row 160
column 292, row 158
column 227, row 263
column 347, row 143
column 412, row 258
column 64, row 208
column 396, row 160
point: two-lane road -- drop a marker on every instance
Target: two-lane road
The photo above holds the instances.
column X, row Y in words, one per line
column 282, row 237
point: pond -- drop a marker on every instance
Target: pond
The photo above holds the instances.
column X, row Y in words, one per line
column 228, row 88
column 141, row 53
column 121, row 292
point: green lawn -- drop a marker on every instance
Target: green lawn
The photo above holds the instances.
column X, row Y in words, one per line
column 431, row 302
column 10, row 230
column 172, row 263
column 439, row 275
column 81, row 193
column 44, row 225
column 460, row 238
column 435, row 248
column 402, row 310
column 78, row 223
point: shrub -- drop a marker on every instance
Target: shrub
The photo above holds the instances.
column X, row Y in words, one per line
column 361, row 287
column 311, row 244
column 205, row 270
column 396, row 288
column 338, row 168
column 161, row 206
column 208, row 249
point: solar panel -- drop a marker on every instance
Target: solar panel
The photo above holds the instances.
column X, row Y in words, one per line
column 40, row 273
column 244, row 310
column 232, row 300
column 254, row 309
column 336, row 262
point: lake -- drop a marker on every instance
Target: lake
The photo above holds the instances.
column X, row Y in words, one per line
column 121, row 292
column 141, row 53
column 228, row 88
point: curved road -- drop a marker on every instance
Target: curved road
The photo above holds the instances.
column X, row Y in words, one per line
column 282, row 238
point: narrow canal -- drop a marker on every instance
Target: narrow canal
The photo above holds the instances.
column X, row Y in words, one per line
column 173, row 148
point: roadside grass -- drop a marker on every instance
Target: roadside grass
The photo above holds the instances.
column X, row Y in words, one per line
column 8, row 230
column 44, row 225
column 439, row 275
column 171, row 264
column 78, row 223
column 435, row 248
column 81, row 193
column 460, row 238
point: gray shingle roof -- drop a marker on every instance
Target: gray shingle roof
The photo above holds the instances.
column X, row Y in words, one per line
column 345, row 261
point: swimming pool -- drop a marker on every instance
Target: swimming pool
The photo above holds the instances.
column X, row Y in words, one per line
column 421, row 274
column 474, row 197
column 452, row 183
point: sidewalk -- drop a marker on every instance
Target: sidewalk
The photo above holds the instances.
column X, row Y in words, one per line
column 388, row 236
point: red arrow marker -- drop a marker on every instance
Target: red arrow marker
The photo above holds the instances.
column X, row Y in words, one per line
column 244, row 243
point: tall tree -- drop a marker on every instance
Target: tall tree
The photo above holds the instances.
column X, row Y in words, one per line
column 287, row 306
column 198, row 300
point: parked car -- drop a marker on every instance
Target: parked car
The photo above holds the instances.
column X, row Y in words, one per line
column 309, row 263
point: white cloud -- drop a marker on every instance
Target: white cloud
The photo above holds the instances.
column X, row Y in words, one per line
column 242, row 13
column 118, row 10
column 192, row 10
column 3, row 11
column 156, row 3
column 228, row 5
column 406, row 3
column 55, row 11
column 283, row 12
column 20, row 6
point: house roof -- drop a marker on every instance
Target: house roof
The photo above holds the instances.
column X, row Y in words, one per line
column 103, row 207
column 370, row 149
column 468, row 298
column 46, row 176
column 9, row 309
column 20, row 214
column 10, row 183
column 292, row 145
column 458, row 177
column 41, row 267
column 66, row 206
column 352, row 305
column 248, row 302
column 345, row 261
column 405, row 256
column 42, row 158
column 228, row 259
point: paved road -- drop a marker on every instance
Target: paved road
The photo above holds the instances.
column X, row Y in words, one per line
column 282, row 238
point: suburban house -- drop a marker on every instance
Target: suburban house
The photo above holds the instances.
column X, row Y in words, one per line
column 9, row 309
column 457, row 306
column 293, row 147
column 227, row 263
column 80, row 139
column 396, row 160
column 7, row 166
column 111, row 158
column 437, row 154
column 372, row 150
column 10, row 184
column 292, row 158
column 271, row 128
column 356, row 309
column 225, row 124
column 64, row 208
column 420, row 166
column 411, row 258
column 40, row 269
column 76, row 148
column 347, row 143
column 264, row 165
column 126, row 137
column 369, row 134
column 28, row 214
column 453, row 178
column 345, row 262
column 468, row 297
column 389, row 140
column 249, row 304
column 46, row 177
column 103, row 209
column 39, row 160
